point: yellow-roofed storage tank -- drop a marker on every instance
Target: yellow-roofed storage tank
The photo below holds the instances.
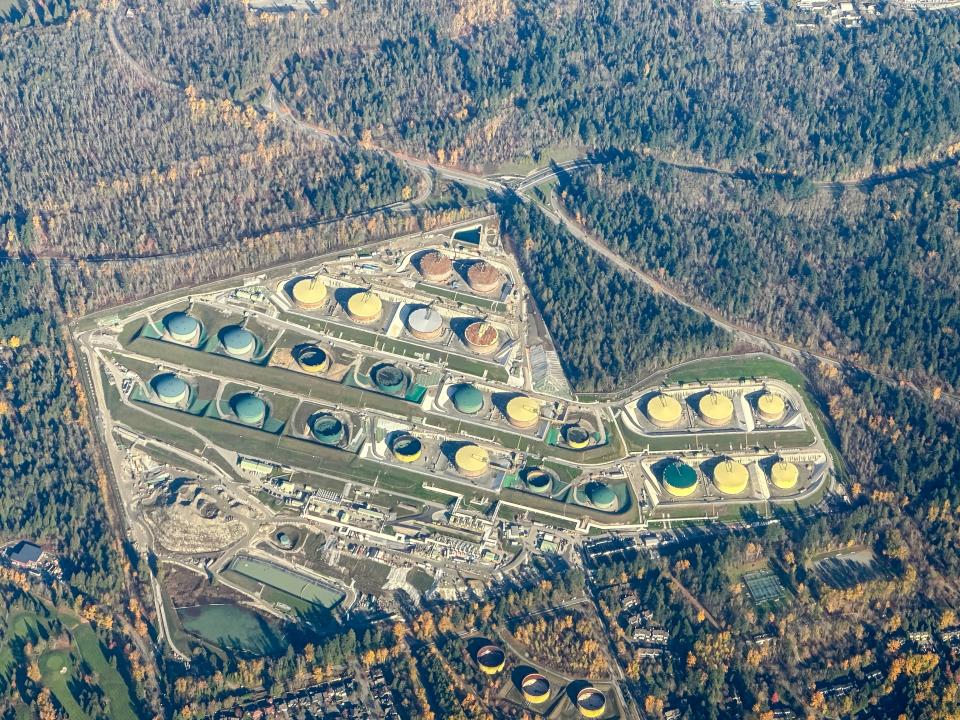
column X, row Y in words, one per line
column 715, row 409
column 309, row 293
column 731, row 477
column 591, row 703
column 664, row 411
column 365, row 307
column 472, row 461
column 771, row 407
column 523, row 411
column 784, row 475
column 535, row 688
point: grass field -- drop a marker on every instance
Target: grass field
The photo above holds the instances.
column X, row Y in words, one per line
column 421, row 580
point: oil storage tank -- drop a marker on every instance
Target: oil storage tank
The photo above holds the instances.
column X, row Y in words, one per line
column 715, row 409
column 664, row 411
column 425, row 323
column 182, row 327
column 577, row 436
column 591, row 703
column 679, row 479
column 472, row 461
column 467, row 399
column 327, row 429
column 389, row 378
column 248, row 408
column 784, row 474
column 308, row 293
column 535, row 688
column 602, row 496
column 238, row 341
column 364, row 307
column 482, row 337
column 771, row 407
column 730, row 476
column 435, row 267
column 484, row 277
column 313, row 360
column 170, row 389
column 491, row 659
column 523, row 411
column 407, row 448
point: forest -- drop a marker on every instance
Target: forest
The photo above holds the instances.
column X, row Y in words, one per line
column 519, row 78
column 870, row 275
column 49, row 486
column 609, row 328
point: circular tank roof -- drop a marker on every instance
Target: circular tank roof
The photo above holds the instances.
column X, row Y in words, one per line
column 481, row 334
column 716, row 407
column 389, row 377
column 424, row 320
column 170, row 389
column 591, row 702
column 730, row 477
column 407, row 448
column 309, row 292
column 472, row 460
column 249, row 408
column 784, row 474
column 181, row 325
column 313, row 360
column 467, row 399
column 484, row 276
column 771, row 405
column 435, row 265
column 680, row 479
column 536, row 688
column 365, row 305
column 664, row 410
column 577, row 436
column 523, row 410
column 491, row 659
column 284, row 540
column 538, row 481
column 238, row 341
column 601, row 496
column 327, row 429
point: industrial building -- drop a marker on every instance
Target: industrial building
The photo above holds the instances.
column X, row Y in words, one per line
column 784, row 475
column 309, row 293
column 435, row 267
column 182, row 328
column 770, row 407
column 425, row 323
column 591, row 702
column 730, row 477
column 364, row 307
column 664, row 411
column 491, row 659
column 715, row 409
column 481, row 337
column 238, row 341
column 467, row 399
column 472, row 461
column 248, row 408
column 484, row 277
column 535, row 688
column 679, row 479
column 522, row 411
column 170, row 389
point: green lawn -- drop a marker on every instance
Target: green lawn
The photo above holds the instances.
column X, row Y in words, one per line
column 110, row 680
column 50, row 665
